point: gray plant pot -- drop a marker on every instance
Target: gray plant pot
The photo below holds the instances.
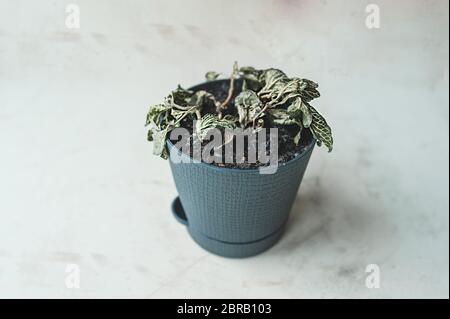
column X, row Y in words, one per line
column 235, row 212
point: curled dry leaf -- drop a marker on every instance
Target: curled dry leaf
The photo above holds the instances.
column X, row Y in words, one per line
column 211, row 76
column 210, row 121
column 249, row 107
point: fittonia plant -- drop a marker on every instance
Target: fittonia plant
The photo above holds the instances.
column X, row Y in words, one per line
column 268, row 98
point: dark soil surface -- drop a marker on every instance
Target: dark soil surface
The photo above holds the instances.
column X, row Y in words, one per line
column 287, row 149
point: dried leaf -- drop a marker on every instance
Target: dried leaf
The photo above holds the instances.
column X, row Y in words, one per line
column 150, row 135
column 154, row 114
column 308, row 90
column 159, row 141
column 300, row 111
column 179, row 96
column 307, row 116
column 279, row 88
column 298, row 136
column 282, row 117
column 178, row 114
column 252, row 78
column 199, row 98
column 249, row 107
column 211, row 76
column 210, row 121
column 273, row 79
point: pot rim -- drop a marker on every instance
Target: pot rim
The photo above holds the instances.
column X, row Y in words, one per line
column 172, row 147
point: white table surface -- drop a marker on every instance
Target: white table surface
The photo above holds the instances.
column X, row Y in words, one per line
column 79, row 185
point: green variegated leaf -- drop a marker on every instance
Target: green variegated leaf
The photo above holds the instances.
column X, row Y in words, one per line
column 248, row 106
column 210, row 121
column 320, row 129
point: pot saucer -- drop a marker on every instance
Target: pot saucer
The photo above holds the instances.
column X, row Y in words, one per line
column 223, row 248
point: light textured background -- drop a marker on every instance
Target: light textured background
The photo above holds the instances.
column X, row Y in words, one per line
column 78, row 182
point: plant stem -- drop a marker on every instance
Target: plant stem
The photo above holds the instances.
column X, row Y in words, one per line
column 225, row 103
column 259, row 114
